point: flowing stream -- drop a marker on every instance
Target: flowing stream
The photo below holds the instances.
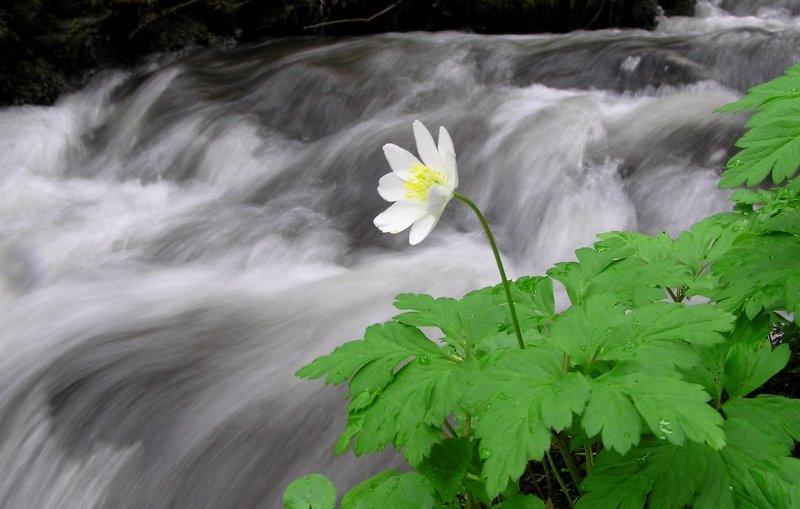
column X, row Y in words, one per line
column 176, row 240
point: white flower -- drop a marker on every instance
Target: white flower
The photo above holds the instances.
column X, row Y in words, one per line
column 420, row 190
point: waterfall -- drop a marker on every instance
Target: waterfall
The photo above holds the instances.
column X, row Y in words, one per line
column 176, row 240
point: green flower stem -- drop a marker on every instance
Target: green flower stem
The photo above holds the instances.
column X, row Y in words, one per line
column 506, row 285
column 561, row 482
column 587, row 450
column 563, row 448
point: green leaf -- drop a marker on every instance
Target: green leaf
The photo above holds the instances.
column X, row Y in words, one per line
column 786, row 86
column 404, row 491
column 520, row 502
column 751, row 471
column 612, row 413
column 410, row 411
column 759, row 432
column 463, row 322
column 656, row 475
column 791, row 297
column 536, row 294
column 586, row 328
column 751, row 364
column 771, row 422
column 784, row 494
column 353, row 498
column 313, row 491
column 388, row 345
column 754, row 274
column 772, row 143
column 664, row 334
column 672, row 408
column 355, row 423
column 447, row 465
column 513, row 422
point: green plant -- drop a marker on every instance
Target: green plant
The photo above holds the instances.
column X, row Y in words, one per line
column 632, row 396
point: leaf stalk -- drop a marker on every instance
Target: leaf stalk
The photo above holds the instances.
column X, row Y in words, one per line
column 493, row 244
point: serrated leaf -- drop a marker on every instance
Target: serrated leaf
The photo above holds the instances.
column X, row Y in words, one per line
column 353, row 497
column 404, row 491
column 389, row 345
column 751, row 364
column 753, row 275
column 672, row 408
column 633, row 268
column 410, row 411
column 772, row 143
column 656, row 475
column 773, row 422
column 698, row 325
column 577, row 277
column 759, row 431
column 506, row 396
column 313, row 491
column 613, row 415
column 447, row 465
column 355, row 422
column 586, row 328
column 786, row 86
column 463, row 322
column 765, row 492
column 664, row 334
column 537, row 294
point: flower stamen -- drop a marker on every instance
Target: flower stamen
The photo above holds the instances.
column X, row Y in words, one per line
column 422, row 179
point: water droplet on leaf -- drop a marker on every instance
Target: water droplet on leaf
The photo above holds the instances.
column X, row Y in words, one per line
column 424, row 360
column 503, row 396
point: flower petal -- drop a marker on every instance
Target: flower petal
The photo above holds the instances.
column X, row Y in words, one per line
column 438, row 198
column 400, row 160
column 390, row 187
column 447, row 153
column 421, row 229
column 426, row 147
column 399, row 216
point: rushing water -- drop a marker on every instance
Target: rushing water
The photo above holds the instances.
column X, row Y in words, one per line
column 176, row 241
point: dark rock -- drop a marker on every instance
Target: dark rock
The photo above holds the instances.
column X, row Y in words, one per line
column 47, row 46
column 678, row 7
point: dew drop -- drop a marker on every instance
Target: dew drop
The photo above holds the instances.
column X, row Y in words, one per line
column 503, row 396
column 609, row 331
column 664, row 429
column 424, row 360
column 484, row 453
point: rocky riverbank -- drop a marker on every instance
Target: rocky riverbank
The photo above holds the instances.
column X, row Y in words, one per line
column 48, row 46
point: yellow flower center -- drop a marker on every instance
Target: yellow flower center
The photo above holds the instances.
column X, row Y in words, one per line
column 422, row 179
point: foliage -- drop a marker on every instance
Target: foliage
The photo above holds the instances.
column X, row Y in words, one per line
column 644, row 384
